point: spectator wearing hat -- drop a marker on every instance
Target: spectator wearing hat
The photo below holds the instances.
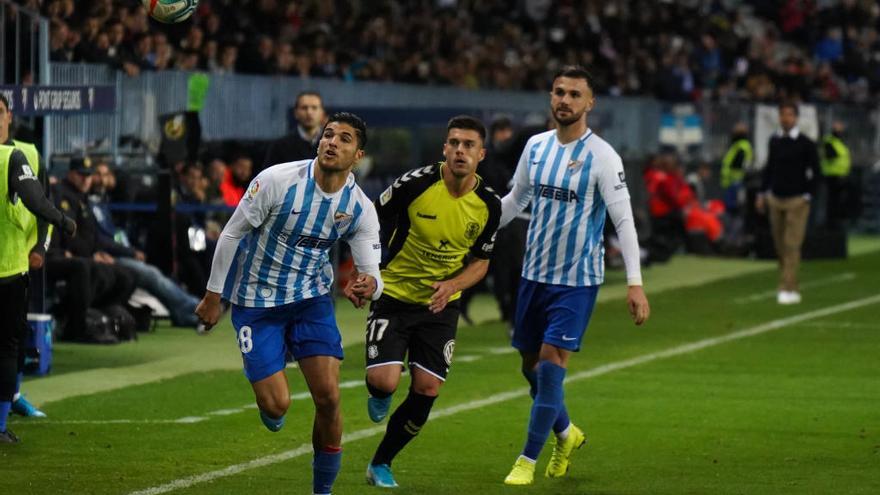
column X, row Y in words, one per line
column 85, row 262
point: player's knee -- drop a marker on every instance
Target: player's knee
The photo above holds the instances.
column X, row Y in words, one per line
column 327, row 403
column 275, row 406
column 382, row 380
column 431, row 389
column 381, row 383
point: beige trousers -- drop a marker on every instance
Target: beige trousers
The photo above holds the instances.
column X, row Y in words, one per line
column 788, row 222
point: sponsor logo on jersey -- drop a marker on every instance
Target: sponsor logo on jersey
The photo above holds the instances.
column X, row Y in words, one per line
column 386, row 195
column 26, row 173
column 448, row 350
column 425, row 215
column 472, row 230
column 310, row 242
column 557, row 193
column 622, row 176
column 444, row 244
column 440, row 257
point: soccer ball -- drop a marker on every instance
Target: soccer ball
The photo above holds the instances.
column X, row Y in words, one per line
column 170, row 11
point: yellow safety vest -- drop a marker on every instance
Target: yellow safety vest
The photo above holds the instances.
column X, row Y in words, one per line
column 729, row 175
column 14, row 221
column 838, row 166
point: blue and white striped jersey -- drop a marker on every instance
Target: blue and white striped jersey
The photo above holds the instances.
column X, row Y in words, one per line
column 569, row 186
column 284, row 228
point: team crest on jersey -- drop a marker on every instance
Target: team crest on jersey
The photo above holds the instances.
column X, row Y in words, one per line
column 342, row 219
column 386, row 196
column 372, row 352
column 575, row 164
column 448, row 350
column 253, row 190
column 472, row 230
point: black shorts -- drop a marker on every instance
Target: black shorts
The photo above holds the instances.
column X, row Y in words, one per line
column 395, row 328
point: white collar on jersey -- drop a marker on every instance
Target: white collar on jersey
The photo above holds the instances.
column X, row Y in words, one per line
column 584, row 137
column 349, row 181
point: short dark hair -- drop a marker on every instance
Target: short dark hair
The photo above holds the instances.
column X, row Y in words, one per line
column 502, row 122
column 790, row 104
column 307, row 93
column 467, row 122
column 360, row 127
column 573, row 72
column 5, row 100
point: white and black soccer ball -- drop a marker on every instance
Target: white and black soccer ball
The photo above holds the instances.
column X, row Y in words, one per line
column 170, row 11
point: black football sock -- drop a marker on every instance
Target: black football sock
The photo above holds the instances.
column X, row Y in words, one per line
column 403, row 426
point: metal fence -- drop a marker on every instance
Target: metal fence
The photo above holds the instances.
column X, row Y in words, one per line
column 24, row 45
column 258, row 108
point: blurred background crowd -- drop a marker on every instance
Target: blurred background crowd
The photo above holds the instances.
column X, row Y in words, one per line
column 814, row 50
column 689, row 196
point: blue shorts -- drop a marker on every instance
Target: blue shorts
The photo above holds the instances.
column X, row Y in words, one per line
column 552, row 314
column 306, row 328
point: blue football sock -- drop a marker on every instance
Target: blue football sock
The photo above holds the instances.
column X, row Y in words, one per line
column 5, row 406
column 325, row 467
column 562, row 420
column 545, row 408
column 273, row 424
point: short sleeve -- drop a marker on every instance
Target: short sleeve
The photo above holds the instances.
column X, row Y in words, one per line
column 485, row 243
column 611, row 179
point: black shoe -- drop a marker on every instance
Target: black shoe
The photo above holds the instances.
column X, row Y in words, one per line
column 8, row 437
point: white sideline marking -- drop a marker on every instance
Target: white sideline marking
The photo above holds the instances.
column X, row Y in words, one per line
column 513, row 394
column 186, row 420
column 770, row 294
column 502, row 350
column 467, row 358
column 843, row 324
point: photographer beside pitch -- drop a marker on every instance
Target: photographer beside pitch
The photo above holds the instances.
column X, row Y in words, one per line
column 571, row 177
column 272, row 263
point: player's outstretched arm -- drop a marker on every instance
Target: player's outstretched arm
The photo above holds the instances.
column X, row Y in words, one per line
column 443, row 290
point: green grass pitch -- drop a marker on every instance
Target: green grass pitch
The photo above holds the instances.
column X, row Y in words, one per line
column 790, row 405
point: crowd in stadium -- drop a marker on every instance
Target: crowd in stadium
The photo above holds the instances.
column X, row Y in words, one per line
column 816, row 50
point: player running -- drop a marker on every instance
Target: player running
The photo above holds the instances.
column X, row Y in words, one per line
column 571, row 177
column 272, row 264
column 438, row 225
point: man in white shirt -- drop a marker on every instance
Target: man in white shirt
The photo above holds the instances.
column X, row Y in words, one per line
column 572, row 178
column 272, row 264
